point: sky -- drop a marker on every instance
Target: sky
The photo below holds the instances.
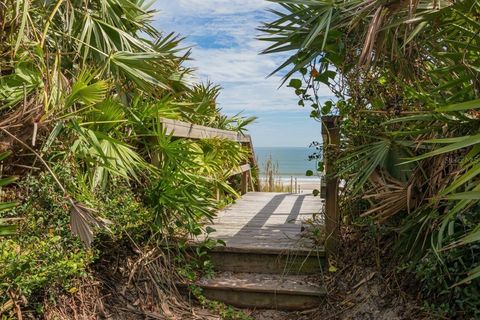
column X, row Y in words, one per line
column 225, row 51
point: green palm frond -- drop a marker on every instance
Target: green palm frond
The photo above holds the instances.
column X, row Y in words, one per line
column 24, row 79
column 313, row 28
column 106, row 156
column 87, row 91
column 146, row 69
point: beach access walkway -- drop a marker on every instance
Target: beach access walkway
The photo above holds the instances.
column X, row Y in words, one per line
column 266, row 220
column 264, row 259
column 265, row 256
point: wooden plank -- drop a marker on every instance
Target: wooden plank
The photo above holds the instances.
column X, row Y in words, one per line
column 277, row 263
column 263, row 291
column 243, row 168
column 292, row 284
column 192, row 131
column 266, row 220
column 272, row 251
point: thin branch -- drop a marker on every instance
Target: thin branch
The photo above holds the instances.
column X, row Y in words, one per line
column 38, row 156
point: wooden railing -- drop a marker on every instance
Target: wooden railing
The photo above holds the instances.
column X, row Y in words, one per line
column 331, row 142
column 187, row 130
column 193, row 131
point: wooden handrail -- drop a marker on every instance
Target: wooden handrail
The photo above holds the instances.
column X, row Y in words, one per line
column 187, row 130
column 243, row 168
column 255, row 183
column 194, row 131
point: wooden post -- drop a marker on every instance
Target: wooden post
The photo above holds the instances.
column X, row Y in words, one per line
column 291, row 184
column 323, row 186
column 331, row 141
column 254, row 179
column 244, row 183
column 250, row 178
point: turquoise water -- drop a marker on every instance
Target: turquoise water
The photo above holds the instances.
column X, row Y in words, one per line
column 291, row 161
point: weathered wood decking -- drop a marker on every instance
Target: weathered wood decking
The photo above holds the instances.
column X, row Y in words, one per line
column 266, row 221
column 266, row 260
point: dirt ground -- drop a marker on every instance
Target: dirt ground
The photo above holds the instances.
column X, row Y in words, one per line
column 358, row 289
column 371, row 299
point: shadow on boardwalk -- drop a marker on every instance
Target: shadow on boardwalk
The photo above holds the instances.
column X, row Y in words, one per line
column 258, row 228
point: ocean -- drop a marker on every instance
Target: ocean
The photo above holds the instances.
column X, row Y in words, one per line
column 292, row 161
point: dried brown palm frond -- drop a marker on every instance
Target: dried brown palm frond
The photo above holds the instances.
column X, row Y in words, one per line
column 129, row 283
column 22, row 121
column 372, row 33
column 390, row 195
column 83, row 221
column 380, row 23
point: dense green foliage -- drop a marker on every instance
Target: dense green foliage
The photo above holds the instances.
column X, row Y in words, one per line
column 406, row 81
column 83, row 86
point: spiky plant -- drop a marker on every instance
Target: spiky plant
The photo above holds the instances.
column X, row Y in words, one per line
column 406, row 80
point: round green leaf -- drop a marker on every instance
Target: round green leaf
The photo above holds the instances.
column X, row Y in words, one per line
column 295, row 83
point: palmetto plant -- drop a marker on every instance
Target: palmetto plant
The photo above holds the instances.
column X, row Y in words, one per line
column 83, row 87
column 86, row 83
column 407, row 79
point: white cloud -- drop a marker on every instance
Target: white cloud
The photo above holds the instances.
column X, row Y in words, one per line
column 233, row 65
column 227, row 52
column 243, row 74
column 209, row 7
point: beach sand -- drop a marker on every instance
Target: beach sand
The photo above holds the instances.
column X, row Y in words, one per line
column 308, row 187
column 303, row 185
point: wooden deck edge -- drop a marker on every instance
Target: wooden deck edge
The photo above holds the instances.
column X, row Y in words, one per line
column 320, row 293
column 319, row 252
column 260, row 288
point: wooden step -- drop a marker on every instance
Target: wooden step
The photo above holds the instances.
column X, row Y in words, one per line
column 267, row 260
column 263, row 291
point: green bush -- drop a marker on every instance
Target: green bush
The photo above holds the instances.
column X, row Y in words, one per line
column 44, row 253
column 32, row 264
column 440, row 273
column 437, row 278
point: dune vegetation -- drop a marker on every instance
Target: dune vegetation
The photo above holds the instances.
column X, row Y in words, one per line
column 87, row 170
column 98, row 202
column 405, row 75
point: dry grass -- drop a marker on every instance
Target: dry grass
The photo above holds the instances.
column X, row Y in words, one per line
column 363, row 283
column 272, row 181
column 135, row 283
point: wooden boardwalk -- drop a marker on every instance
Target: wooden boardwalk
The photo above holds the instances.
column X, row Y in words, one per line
column 261, row 220
column 266, row 263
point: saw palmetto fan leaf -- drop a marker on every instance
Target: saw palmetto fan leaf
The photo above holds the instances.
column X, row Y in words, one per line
column 83, row 222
